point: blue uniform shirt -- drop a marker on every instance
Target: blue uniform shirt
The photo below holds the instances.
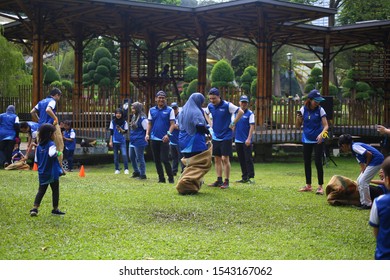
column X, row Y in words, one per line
column 243, row 126
column 7, row 126
column 70, row 145
column 359, row 150
column 48, row 166
column 161, row 121
column 41, row 108
column 312, row 124
column 137, row 136
column 222, row 115
column 118, row 137
column 380, row 218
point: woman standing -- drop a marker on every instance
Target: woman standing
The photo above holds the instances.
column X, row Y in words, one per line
column 9, row 131
column 118, row 129
column 315, row 126
column 138, row 126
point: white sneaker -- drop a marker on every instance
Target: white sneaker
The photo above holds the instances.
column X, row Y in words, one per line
column 126, row 171
column 117, row 172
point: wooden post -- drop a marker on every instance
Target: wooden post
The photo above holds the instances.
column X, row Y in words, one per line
column 325, row 66
column 37, row 93
column 125, row 61
column 202, row 64
column 78, row 67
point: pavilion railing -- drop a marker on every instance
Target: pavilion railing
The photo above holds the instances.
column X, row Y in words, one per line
column 91, row 114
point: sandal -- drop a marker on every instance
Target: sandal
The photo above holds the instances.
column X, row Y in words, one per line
column 306, row 189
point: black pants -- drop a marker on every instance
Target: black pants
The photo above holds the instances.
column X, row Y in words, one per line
column 244, row 154
column 161, row 156
column 318, row 153
column 55, row 189
column 6, row 147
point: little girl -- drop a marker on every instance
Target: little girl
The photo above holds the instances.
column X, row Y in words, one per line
column 49, row 168
column 118, row 130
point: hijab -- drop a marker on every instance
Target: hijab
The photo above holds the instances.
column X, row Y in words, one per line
column 121, row 120
column 139, row 112
column 11, row 109
column 192, row 114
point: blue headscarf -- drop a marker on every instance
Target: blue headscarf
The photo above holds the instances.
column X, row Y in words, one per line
column 192, row 114
column 11, row 109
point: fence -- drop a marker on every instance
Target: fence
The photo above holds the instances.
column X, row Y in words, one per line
column 91, row 114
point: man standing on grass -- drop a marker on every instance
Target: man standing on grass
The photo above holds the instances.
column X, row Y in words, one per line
column 161, row 124
column 243, row 140
column 222, row 125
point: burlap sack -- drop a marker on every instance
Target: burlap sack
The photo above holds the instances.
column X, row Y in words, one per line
column 19, row 165
column 196, row 167
column 342, row 191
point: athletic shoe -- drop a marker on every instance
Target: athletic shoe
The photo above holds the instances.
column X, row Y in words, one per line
column 135, row 175
column 142, row 177
column 171, row 180
column 162, row 181
column 34, row 212
column 57, row 212
column 126, row 171
column 216, row 184
column 243, row 181
column 306, row 189
column 364, row 207
column 117, row 172
column 225, row 185
column 320, row 191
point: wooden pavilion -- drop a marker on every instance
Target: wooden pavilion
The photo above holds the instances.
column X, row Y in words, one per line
column 266, row 24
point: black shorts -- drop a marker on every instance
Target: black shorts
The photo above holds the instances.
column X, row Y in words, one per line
column 222, row 148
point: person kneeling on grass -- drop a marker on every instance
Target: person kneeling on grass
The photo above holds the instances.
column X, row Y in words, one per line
column 370, row 160
column 49, row 169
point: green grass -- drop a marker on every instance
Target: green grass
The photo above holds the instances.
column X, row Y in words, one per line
column 114, row 217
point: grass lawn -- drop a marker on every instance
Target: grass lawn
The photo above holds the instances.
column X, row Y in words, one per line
column 114, row 217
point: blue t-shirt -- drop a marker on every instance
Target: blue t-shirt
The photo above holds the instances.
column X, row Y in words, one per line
column 49, row 168
column 161, row 121
column 41, row 108
column 118, row 137
column 312, row 124
column 137, row 136
column 7, row 126
column 380, row 218
column 34, row 126
column 359, row 150
column 243, row 126
column 222, row 117
column 70, row 145
column 174, row 138
column 192, row 144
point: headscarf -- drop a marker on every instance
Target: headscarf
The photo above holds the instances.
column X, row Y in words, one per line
column 11, row 109
column 139, row 112
column 120, row 121
column 192, row 114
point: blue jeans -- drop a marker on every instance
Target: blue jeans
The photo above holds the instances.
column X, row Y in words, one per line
column 120, row 147
column 137, row 159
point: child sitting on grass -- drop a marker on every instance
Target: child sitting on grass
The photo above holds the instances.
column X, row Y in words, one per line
column 380, row 218
column 49, row 168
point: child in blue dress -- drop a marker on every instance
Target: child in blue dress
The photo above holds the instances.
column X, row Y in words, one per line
column 49, row 169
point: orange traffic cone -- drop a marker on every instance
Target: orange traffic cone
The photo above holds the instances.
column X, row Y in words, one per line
column 35, row 167
column 82, row 171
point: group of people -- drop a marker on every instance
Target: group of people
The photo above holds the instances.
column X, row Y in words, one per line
column 179, row 135
column 371, row 161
